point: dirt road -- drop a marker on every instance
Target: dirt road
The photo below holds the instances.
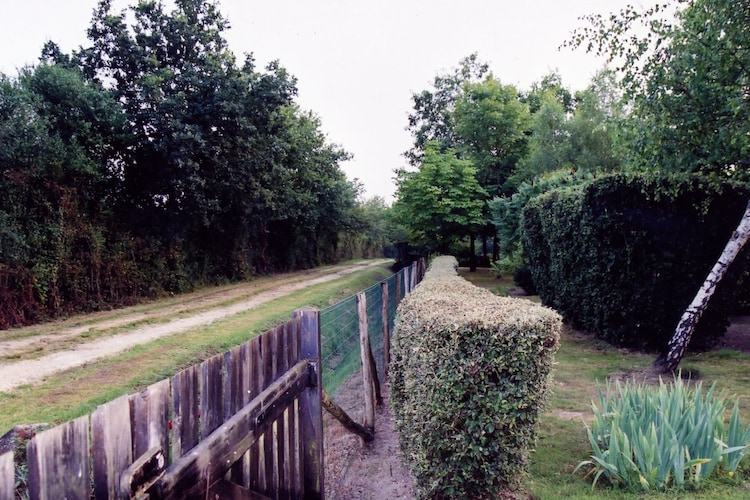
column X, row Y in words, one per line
column 29, row 355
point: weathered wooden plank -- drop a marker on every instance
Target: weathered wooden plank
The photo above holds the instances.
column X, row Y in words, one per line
column 215, row 454
column 257, row 474
column 58, row 461
column 297, row 451
column 142, row 473
column 212, row 394
column 367, row 374
column 111, row 445
column 281, row 352
column 235, row 391
column 7, row 476
column 310, row 407
column 268, row 343
column 149, row 414
column 185, row 421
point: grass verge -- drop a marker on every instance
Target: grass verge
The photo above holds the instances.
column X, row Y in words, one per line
column 78, row 391
column 582, row 364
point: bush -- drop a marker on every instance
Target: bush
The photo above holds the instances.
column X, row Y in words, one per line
column 653, row 439
column 469, row 376
column 623, row 255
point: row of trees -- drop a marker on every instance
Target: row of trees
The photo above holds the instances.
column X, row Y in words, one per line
column 489, row 139
column 151, row 161
column 676, row 99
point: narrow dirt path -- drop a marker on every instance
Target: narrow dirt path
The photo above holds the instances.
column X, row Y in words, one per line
column 65, row 344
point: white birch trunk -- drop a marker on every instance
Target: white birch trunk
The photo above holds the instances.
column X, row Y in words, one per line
column 686, row 326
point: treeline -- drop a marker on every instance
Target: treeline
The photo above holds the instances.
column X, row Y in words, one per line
column 151, row 161
column 587, row 197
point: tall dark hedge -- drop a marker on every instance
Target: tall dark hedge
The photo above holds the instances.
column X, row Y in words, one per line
column 623, row 255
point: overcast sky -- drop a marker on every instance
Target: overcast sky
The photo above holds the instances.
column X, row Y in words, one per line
column 358, row 62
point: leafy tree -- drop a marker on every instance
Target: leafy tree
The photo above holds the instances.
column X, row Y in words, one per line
column 441, row 201
column 597, row 126
column 550, row 86
column 432, row 116
column 688, row 79
column 550, row 145
column 490, row 125
column 58, row 184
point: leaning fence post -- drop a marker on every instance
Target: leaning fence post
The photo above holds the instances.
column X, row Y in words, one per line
column 386, row 316
column 367, row 375
column 310, row 407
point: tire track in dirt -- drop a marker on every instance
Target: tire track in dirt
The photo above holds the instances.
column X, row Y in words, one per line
column 30, row 371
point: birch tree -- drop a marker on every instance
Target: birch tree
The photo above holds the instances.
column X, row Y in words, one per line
column 684, row 66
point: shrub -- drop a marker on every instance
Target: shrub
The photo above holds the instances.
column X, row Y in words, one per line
column 623, row 255
column 652, row 439
column 469, row 376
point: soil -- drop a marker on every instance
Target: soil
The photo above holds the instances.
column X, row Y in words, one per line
column 355, row 469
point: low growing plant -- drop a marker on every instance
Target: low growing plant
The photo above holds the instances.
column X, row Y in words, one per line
column 666, row 437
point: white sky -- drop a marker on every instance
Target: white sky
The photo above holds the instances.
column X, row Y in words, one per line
column 357, row 62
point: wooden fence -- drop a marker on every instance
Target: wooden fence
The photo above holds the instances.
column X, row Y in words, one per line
column 243, row 424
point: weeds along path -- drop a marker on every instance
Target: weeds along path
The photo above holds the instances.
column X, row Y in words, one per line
column 28, row 355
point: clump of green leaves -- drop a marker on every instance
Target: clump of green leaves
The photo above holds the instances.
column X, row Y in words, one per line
column 667, row 437
column 469, row 375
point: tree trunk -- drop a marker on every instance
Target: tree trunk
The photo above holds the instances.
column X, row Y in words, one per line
column 685, row 328
column 473, row 252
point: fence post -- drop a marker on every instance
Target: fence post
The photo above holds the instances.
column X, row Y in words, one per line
column 386, row 316
column 367, row 375
column 398, row 288
column 310, row 406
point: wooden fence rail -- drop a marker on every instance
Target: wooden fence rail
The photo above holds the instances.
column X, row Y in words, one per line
column 243, row 424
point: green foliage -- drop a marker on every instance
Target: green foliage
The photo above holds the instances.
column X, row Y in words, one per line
column 441, row 201
column 506, row 211
column 621, row 256
column 670, row 437
column 469, row 376
column 149, row 161
column 432, row 118
column 684, row 66
column 490, row 123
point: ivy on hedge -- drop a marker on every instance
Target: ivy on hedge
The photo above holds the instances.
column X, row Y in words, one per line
column 469, row 375
column 623, row 255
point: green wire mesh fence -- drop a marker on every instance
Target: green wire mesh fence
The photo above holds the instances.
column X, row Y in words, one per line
column 339, row 328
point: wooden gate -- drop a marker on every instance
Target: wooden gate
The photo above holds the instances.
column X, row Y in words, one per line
column 245, row 424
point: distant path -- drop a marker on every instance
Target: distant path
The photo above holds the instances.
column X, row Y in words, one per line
column 68, row 347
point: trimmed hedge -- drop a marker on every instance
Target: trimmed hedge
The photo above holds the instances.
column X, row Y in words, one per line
column 623, row 255
column 469, row 375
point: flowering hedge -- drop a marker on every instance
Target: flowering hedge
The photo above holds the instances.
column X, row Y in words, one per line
column 469, row 377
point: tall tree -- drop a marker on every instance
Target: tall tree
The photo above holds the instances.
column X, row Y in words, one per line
column 688, row 77
column 491, row 124
column 441, row 201
column 432, row 115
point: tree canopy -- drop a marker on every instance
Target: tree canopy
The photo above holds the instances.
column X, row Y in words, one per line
column 149, row 160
